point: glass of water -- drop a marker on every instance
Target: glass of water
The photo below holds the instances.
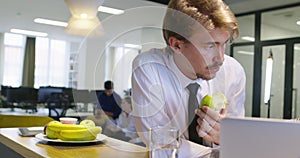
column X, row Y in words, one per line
column 163, row 142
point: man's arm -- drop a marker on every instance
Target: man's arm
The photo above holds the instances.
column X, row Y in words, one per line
column 109, row 114
column 117, row 105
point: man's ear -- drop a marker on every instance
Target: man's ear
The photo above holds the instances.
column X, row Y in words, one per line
column 175, row 44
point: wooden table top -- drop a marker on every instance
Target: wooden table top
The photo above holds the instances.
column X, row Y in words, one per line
column 33, row 147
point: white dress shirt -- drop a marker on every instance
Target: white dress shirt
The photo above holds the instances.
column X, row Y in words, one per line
column 160, row 96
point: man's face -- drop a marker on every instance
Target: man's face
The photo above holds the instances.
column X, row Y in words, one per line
column 108, row 92
column 205, row 53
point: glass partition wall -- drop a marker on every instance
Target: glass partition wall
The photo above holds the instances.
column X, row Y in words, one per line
column 296, row 83
column 280, row 24
column 273, row 107
column 277, row 32
column 245, row 55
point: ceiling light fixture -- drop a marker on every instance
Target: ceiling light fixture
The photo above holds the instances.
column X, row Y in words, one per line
column 248, row 38
column 245, row 52
column 268, row 81
column 298, row 22
column 110, row 10
column 132, row 46
column 28, row 32
column 84, row 16
column 84, row 20
column 50, row 22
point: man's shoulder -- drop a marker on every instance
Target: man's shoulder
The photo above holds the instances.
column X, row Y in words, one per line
column 115, row 94
column 231, row 60
column 231, row 74
column 232, row 63
column 117, row 97
column 231, row 68
column 151, row 56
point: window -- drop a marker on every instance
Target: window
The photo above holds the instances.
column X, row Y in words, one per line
column 58, row 66
column 279, row 24
column 246, row 28
column 41, row 62
column 51, row 63
column 13, row 59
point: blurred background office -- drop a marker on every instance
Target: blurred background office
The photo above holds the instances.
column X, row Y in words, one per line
column 83, row 62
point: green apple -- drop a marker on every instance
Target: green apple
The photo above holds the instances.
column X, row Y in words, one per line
column 219, row 101
column 216, row 101
column 87, row 123
column 207, row 101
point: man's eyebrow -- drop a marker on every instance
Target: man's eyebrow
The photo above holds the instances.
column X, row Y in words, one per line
column 213, row 42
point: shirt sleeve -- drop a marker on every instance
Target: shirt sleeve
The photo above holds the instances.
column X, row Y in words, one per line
column 236, row 89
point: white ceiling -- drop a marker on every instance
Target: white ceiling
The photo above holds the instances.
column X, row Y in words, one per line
column 243, row 6
column 20, row 13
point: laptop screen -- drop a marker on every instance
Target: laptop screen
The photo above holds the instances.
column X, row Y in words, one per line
column 259, row 138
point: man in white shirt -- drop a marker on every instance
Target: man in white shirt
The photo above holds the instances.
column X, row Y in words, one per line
column 196, row 32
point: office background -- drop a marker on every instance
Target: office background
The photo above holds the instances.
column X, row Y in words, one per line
column 88, row 62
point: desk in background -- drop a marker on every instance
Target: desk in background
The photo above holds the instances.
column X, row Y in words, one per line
column 33, row 147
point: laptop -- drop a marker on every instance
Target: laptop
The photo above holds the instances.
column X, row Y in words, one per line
column 259, row 138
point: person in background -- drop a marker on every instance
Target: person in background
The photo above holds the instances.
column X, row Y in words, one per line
column 110, row 101
column 125, row 127
column 196, row 33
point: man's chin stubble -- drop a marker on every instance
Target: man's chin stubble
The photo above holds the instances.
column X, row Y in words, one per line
column 206, row 77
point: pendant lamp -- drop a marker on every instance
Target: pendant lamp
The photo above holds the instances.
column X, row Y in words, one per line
column 84, row 20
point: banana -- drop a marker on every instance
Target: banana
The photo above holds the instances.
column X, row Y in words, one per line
column 85, row 131
column 58, row 126
column 51, row 134
column 87, row 138
column 80, row 134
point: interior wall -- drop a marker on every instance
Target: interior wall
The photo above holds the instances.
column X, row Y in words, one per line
column 91, row 66
column 116, row 26
column 115, row 63
column 82, row 55
column 152, row 38
column 1, row 56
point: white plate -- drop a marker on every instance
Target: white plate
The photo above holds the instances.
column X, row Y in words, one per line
column 41, row 136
